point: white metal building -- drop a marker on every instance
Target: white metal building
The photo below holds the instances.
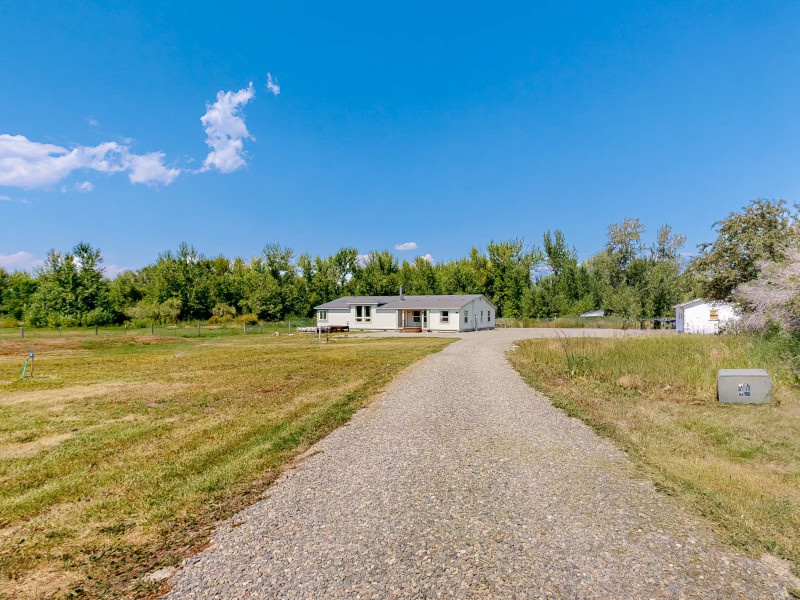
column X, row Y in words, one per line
column 409, row 313
column 703, row 316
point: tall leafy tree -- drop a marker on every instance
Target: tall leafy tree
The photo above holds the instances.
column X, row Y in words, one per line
column 762, row 231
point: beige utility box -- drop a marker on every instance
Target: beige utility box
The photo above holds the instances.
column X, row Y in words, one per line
column 744, row 386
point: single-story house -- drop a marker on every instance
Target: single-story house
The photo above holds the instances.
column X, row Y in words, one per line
column 468, row 312
column 704, row 316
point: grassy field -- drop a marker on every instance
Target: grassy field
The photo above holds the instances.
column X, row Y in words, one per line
column 175, row 330
column 656, row 398
column 123, row 450
column 609, row 322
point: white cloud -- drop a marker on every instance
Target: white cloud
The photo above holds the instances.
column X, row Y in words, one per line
column 429, row 258
column 19, row 261
column 6, row 199
column 149, row 169
column 272, row 85
column 28, row 164
column 112, row 271
column 406, row 246
column 362, row 259
column 226, row 130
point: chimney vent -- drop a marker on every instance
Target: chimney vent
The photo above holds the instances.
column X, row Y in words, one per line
column 402, row 297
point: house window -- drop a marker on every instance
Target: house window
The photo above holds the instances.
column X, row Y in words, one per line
column 466, row 316
column 445, row 316
column 322, row 315
column 714, row 315
column 489, row 316
column 481, row 316
column 363, row 313
column 416, row 316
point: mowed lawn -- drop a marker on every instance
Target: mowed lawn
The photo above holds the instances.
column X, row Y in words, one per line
column 656, row 398
column 120, row 454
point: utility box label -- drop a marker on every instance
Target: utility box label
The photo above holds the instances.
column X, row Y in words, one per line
column 744, row 390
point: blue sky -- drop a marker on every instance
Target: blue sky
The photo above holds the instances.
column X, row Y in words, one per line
column 444, row 126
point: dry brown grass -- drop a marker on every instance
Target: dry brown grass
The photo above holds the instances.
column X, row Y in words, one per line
column 121, row 454
column 656, row 398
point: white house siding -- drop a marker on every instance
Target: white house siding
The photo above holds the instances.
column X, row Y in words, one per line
column 338, row 318
column 696, row 317
column 435, row 323
column 474, row 318
column 388, row 319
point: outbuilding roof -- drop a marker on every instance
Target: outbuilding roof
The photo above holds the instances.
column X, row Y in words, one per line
column 696, row 301
column 442, row 302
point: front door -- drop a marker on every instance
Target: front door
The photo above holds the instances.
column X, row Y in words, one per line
column 424, row 319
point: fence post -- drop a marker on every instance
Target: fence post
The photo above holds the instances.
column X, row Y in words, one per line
column 198, row 329
column 59, row 331
column 22, row 331
column 152, row 328
column 244, row 328
column 261, row 326
column 95, row 329
column 290, row 327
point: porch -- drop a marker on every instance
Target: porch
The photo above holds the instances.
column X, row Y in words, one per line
column 412, row 321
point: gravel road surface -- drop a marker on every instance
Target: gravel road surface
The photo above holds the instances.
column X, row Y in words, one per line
column 461, row 481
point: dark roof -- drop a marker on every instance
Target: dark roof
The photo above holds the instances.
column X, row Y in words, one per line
column 453, row 302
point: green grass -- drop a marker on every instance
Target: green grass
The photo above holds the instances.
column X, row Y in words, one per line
column 609, row 322
column 188, row 329
column 123, row 450
column 656, row 398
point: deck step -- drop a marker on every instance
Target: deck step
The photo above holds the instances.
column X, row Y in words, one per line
column 412, row 329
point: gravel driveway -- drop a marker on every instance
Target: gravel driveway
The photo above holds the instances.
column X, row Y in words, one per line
column 461, row 481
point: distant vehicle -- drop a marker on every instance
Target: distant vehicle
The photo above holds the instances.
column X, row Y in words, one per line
column 597, row 313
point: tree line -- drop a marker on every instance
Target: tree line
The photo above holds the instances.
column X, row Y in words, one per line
column 625, row 276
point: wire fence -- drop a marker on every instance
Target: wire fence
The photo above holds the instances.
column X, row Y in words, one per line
column 608, row 322
column 186, row 329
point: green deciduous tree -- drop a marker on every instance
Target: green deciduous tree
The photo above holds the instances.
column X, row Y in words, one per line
column 761, row 232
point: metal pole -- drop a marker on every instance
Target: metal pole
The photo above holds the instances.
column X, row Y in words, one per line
column 22, row 331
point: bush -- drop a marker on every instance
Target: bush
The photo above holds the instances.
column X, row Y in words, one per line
column 8, row 322
column 223, row 312
column 215, row 320
column 98, row 316
column 248, row 319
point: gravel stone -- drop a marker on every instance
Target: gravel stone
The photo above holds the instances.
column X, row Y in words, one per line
column 461, row 481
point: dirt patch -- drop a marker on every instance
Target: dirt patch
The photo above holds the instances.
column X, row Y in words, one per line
column 27, row 449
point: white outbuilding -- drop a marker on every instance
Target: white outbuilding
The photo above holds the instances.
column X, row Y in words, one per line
column 468, row 312
column 704, row 316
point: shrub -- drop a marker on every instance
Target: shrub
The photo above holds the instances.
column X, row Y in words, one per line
column 8, row 322
column 223, row 312
column 248, row 319
column 215, row 320
column 98, row 316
